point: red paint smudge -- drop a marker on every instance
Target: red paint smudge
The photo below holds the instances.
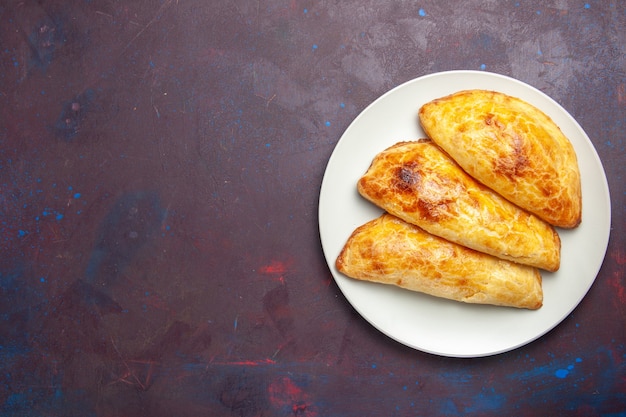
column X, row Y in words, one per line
column 253, row 363
column 619, row 256
column 275, row 267
column 158, row 303
column 285, row 395
column 259, row 362
column 621, row 93
column 210, row 54
column 616, row 282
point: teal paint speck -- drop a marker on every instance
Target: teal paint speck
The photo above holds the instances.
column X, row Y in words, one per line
column 314, row 46
column 421, row 12
column 327, row 123
column 561, row 373
column 587, row 6
column 305, row 11
column 482, row 67
column 342, row 105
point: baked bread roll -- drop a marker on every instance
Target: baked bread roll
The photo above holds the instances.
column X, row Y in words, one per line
column 419, row 183
column 513, row 148
column 390, row 251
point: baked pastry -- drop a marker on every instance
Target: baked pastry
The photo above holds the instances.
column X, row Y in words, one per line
column 513, row 148
column 421, row 184
column 390, row 251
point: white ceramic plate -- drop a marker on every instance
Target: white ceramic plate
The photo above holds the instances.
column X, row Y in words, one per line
column 437, row 325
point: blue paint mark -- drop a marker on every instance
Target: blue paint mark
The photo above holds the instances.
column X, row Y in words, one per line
column 127, row 228
column 9, row 282
column 42, row 279
column 421, row 12
column 483, row 67
column 538, row 12
column 449, row 408
column 314, row 47
column 327, row 123
column 561, row 373
column 77, row 195
column 15, row 400
column 486, row 401
column 342, row 105
column 44, row 41
column 587, row 6
column 305, row 11
column 22, row 233
column 82, row 290
column 59, row 216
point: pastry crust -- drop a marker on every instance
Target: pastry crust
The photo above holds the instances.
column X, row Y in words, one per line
column 419, row 183
column 513, row 148
column 390, row 251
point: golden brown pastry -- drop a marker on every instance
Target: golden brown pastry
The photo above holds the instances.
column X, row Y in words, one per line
column 390, row 251
column 513, row 148
column 422, row 185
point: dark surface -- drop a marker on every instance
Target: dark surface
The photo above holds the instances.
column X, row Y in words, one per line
column 160, row 165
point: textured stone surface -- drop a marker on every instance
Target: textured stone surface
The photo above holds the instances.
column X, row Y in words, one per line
column 160, row 166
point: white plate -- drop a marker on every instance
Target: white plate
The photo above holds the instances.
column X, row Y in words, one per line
column 432, row 324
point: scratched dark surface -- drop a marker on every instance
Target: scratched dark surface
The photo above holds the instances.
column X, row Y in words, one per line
column 160, row 166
